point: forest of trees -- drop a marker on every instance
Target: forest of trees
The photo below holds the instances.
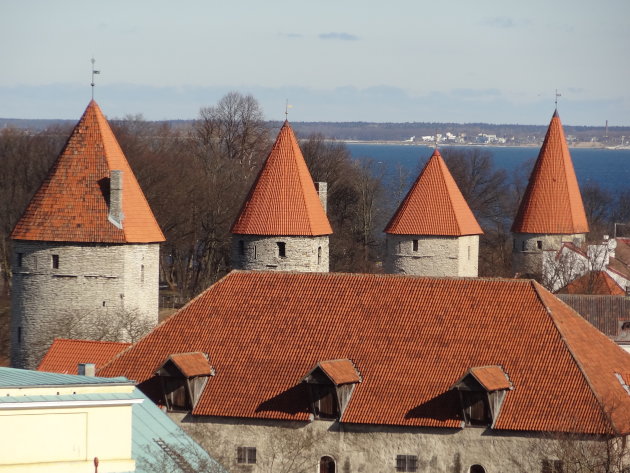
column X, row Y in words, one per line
column 196, row 178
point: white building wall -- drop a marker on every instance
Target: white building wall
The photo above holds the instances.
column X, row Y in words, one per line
column 261, row 253
column 364, row 448
column 92, row 285
column 435, row 255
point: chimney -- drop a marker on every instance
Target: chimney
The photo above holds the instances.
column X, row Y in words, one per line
column 322, row 190
column 87, row 369
column 115, row 198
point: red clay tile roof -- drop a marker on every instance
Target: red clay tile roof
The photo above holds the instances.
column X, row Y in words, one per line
column 283, row 200
column 434, row 205
column 72, row 202
column 192, row 364
column 340, row 371
column 64, row 355
column 411, row 338
column 552, row 202
column 492, row 378
column 594, row 282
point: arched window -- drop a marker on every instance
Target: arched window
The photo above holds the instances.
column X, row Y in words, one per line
column 326, row 465
column 477, row 469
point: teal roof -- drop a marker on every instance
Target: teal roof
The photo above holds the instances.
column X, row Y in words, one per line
column 16, row 378
column 92, row 397
column 152, row 428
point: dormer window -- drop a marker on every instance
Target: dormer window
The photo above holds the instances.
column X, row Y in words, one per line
column 183, row 376
column 482, row 391
column 330, row 386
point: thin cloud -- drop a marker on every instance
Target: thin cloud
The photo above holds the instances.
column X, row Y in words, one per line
column 292, row 35
column 339, row 36
column 504, row 22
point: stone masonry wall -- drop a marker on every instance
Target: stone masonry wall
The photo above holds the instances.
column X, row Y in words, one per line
column 528, row 248
column 291, row 446
column 435, row 255
column 302, row 253
column 91, row 285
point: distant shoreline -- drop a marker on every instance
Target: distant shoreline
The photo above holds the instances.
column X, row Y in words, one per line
column 579, row 145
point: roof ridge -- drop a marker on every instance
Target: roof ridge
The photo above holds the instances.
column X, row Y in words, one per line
column 537, row 287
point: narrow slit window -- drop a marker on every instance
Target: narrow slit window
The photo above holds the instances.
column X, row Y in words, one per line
column 241, row 247
column 539, row 244
column 255, row 253
column 19, row 334
column 319, row 255
column 20, row 260
column 55, row 261
column 469, row 252
column 282, row 249
column 141, row 274
column 415, row 245
column 523, row 246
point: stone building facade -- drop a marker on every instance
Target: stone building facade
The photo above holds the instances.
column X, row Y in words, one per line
column 432, row 255
column 529, row 248
column 85, row 251
column 280, row 253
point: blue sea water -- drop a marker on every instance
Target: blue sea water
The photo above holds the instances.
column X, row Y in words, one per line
column 610, row 168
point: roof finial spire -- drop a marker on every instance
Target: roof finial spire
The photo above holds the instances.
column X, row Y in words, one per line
column 94, row 71
column 557, row 95
column 436, row 139
column 286, row 110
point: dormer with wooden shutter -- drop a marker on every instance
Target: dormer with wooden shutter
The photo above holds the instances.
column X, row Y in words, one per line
column 330, row 386
column 183, row 376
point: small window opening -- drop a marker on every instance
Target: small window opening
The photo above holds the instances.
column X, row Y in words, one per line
column 319, row 255
column 141, row 274
column 477, row 469
column 241, row 247
column 246, row 455
column 326, row 465
column 103, row 303
column 55, row 261
column 406, row 463
column 523, row 246
column 539, row 244
column 552, row 466
column 19, row 335
column 415, row 245
column 469, row 252
column 282, row 249
column 255, row 253
column 20, row 260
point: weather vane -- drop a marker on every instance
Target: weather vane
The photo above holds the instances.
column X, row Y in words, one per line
column 94, row 71
column 557, row 95
column 286, row 110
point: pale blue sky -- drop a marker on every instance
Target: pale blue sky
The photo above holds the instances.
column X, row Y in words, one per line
column 491, row 61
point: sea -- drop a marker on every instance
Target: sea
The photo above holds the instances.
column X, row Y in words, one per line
column 609, row 168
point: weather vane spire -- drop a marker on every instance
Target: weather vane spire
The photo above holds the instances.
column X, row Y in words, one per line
column 94, row 71
column 557, row 95
column 286, row 110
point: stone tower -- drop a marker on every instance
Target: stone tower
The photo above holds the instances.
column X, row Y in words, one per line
column 433, row 232
column 86, row 249
column 282, row 225
column 551, row 211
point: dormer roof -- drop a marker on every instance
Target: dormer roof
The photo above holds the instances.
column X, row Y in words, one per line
column 552, row 203
column 338, row 371
column 283, row 199
column 72, row 204
column 491, row 378
column 434, row 205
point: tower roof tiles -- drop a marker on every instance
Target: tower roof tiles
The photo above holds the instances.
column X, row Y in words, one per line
column 72, row 204
column 283, row 199
column 552, row 203
column 434, row 205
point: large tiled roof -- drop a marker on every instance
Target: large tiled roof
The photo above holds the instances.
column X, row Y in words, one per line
column 411, row 338
column 552, row 202
column 64, row 355
column 72, row 204
column 283, row 200
column 434, row 205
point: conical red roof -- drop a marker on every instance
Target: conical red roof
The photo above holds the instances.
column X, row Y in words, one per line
column 434, row 205
column 283, row 200
column 552, row 202
column 72, row 204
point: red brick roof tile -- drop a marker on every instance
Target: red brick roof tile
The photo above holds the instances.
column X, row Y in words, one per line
column 64, row 355
column 340, row 371
column 192, row 364
column 411, row 338
column 72, row 203
column 434, row 205
column 594, row 282
column 492, row 378
column 552, row 203
column 283, row 200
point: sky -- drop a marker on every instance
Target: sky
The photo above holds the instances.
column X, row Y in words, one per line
column 492, row 61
